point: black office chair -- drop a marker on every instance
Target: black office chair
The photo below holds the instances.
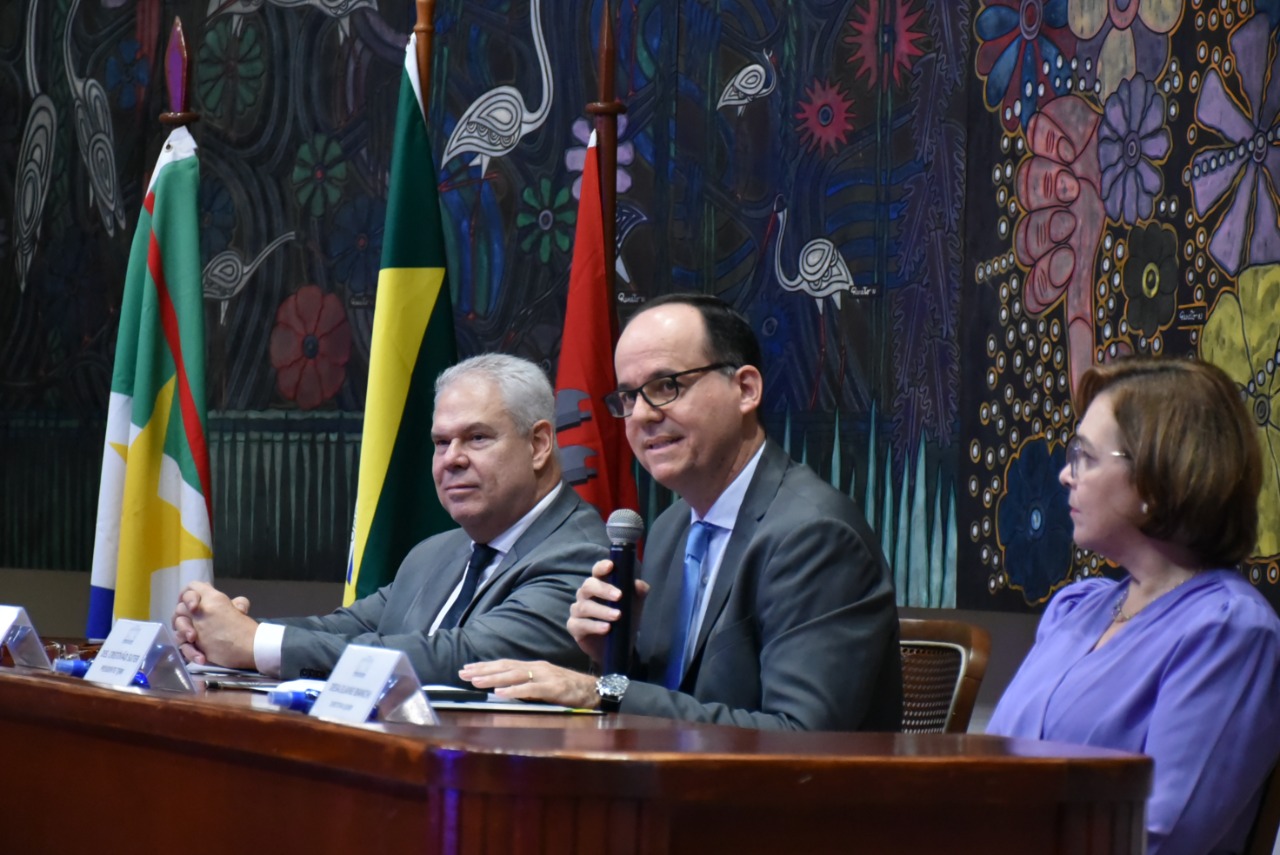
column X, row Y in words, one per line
column 943, row 662
column 1262, row 837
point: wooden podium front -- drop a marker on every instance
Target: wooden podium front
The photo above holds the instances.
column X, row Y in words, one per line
column 93, row 769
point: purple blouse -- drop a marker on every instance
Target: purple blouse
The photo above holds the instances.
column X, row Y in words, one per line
column 1193, row 680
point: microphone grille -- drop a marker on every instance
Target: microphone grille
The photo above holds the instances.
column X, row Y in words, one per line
column 625, row 526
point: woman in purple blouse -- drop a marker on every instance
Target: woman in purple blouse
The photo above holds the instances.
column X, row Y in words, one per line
column 1181, row 659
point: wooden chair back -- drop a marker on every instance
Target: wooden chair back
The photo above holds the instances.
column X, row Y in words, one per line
column 943, row 662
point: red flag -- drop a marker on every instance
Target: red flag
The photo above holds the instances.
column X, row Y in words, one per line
column 593, row 444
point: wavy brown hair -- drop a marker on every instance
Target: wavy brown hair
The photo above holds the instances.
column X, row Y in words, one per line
column 1196, row 461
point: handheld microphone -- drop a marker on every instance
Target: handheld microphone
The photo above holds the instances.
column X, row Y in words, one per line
column 625, row 528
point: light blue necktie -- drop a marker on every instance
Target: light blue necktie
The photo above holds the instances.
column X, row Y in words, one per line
column 695, row 551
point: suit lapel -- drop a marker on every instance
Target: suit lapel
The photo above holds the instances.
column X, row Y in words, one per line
column 436, row 583
column 547, row 522
column 759, row 496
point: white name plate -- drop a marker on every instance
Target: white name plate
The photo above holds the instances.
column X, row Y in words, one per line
column 369, row 678
column 19, row 636
column 140, row 653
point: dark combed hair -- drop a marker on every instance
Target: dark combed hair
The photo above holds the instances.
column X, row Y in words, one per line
column 1196, row 460
column 729, row 335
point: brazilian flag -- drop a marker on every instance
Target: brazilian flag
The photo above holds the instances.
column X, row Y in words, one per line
column 413, row 341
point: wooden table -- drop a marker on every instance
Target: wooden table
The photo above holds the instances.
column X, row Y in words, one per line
column 88, row 768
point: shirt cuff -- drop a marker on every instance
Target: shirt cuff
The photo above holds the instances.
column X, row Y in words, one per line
column 268, row 642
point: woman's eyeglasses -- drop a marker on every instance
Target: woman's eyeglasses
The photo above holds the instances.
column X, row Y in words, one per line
column 1080, row 459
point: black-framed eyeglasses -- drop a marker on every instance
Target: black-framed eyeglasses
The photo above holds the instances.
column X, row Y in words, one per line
column 1080, row 459
column 658, row 392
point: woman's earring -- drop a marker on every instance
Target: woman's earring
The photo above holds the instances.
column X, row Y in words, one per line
column 1146, row 509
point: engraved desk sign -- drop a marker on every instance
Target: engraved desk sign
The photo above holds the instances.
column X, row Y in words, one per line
column 20, row 638
column 369, row 678
column 140, row 653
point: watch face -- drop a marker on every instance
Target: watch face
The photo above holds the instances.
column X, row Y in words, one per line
column 612, row 686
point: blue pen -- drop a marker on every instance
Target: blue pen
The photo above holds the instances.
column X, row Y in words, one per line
column 303, row 701
column 299, row 701
column 79, row 667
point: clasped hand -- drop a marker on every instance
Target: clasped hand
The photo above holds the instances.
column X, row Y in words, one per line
column 212, row 628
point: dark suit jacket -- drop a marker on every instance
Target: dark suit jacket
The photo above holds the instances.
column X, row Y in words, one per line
column 801, row 628
column 519, row 613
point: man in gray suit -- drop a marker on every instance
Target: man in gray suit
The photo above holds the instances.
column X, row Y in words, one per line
column 787, row 620
column 497, row 473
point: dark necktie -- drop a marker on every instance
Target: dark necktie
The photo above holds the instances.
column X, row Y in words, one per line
column 682, row 636
column 481, row 555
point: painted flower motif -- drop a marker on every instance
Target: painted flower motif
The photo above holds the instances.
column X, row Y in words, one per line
column 1058, row 238
column 1242, row 337
column 230, row 69
column 1246, row 169
column 1033, row 521
column 902, row 31
column 1150, row 279
column 318, row 174
column 127, row 74
column 1120, row 38
column 826, row 117
column 310, row 346
column 1132, row 139
column 217, row 218
column 576, row 156
column 546, row 221
column 1020, row 39
column 354, row 245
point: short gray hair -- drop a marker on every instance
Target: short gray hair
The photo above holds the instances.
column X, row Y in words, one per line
column 526, row 392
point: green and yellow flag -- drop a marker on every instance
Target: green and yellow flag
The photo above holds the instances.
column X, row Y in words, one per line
column 413, row 341
column 154, row 522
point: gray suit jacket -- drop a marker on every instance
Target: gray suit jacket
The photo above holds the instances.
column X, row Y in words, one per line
column 519, row 613
column 801, row 627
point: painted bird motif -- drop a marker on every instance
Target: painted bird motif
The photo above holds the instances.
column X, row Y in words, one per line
column 496, row 121
column 95, row 136
column 822, row 270
column 35, row 161
column 226, row 274
column 754, row 81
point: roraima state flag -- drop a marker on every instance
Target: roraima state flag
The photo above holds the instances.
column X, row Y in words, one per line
column 154, row 522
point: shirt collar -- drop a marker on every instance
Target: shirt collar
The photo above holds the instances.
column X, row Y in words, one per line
column 505, row 541
column 724, row 512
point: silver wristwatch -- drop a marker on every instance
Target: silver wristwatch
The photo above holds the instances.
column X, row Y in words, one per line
column 611, row 688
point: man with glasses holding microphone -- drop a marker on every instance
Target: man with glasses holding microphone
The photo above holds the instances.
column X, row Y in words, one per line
column 769, row 604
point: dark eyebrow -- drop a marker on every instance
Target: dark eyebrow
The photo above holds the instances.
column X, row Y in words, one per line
column 657, row 375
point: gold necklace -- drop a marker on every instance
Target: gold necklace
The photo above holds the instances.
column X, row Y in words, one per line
column 1117, row 611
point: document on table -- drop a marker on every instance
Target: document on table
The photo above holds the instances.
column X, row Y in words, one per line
column 493, row 705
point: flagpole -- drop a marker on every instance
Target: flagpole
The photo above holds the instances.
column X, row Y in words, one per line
column 606, row 111
column 425, row 29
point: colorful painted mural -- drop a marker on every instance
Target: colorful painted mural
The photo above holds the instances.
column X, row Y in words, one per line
column 1125, row 201
column 935, row 215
